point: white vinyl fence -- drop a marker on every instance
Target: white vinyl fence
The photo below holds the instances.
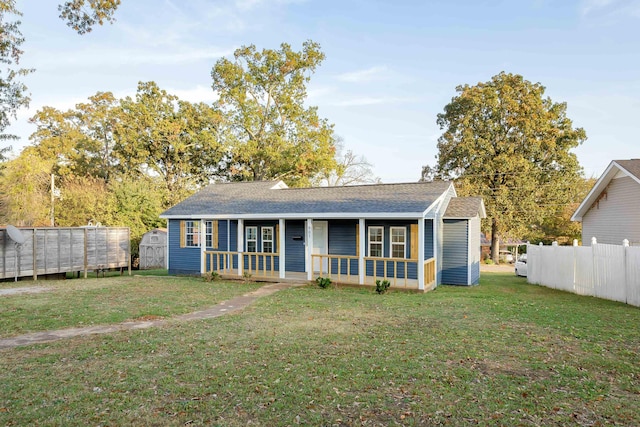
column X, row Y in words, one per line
column 604, row 271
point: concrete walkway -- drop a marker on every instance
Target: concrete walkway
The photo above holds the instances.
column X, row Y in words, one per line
column 231, row 306
column 25, row 290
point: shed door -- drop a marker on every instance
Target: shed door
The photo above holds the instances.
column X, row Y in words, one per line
column 320, row 244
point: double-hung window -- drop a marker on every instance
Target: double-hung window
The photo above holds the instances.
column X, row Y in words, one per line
column 267, row 239
column 252, row 239
column 376, row 241
column 398, row 242
column 192, row 233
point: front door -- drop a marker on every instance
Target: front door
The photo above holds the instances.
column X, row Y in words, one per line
column 320, row 244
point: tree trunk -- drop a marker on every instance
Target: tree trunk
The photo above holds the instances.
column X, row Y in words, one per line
column 495, row 241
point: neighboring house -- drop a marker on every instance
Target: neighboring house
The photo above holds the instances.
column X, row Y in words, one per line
column 611, row 210
column 415, row 235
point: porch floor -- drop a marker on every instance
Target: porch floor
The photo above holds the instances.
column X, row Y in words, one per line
column 294, row 276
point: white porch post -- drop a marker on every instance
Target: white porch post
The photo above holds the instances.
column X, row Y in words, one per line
column 281, row 247
column 240, row 247
column 203, row 248
column 309, row 249
column 229, row 260
column 361, row 251
column 436, row 244
column 421, row 254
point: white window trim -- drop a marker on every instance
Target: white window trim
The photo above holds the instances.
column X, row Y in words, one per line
column 195, row 234
column 262, row 230
column 208, row 234
column 392, row 243
column 246, row 233
column 369, row 242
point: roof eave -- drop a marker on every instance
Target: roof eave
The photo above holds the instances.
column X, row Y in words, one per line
column 313, row 215
column 598, row 187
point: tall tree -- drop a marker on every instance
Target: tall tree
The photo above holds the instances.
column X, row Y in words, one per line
column 137, row 204
column 505, row 141
column 559, row 227
column 24, row 190
column 80, row 140
column 83, row 15
column 273, row 135
column 13, row 93
column 84, row 199
column 177, row 140
column 350, row 169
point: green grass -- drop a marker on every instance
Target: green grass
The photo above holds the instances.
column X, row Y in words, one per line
column 502, row 353
column 86, row 302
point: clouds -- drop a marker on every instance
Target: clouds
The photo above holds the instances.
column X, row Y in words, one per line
column 363, row 76
column 610, row 8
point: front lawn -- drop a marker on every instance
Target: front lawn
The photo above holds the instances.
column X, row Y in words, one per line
column 86, row 302
column 502, row 353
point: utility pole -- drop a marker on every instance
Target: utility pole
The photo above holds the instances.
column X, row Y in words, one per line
column 53, row 187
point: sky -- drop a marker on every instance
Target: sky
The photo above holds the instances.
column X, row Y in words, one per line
column 391, row 66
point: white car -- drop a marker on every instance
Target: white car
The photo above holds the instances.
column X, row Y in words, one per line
column 521, row 266
column 505, row 256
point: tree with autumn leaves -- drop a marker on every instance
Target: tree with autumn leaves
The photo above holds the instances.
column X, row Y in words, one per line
column 259, row 129
column 505, row 141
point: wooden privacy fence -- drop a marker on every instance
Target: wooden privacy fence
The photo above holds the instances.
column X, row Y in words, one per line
column 605, row 271
column 64, row 249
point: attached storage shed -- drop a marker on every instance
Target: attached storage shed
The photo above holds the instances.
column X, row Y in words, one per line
column 153, row 249
column 461, row 245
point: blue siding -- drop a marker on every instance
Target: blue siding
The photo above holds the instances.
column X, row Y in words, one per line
column 181, row 260
column 409, row 268
column 294, row 249
column 342, row 237
column 428, row 239
column 233, row 241
column 342, row 241
column 257, row 262
column 455, row 252
column 261, row 224
column 474, row 250
column 222, row 235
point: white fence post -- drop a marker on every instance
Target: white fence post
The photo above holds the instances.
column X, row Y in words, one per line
column 575, row 263
column 594, row 266
column 625, row 252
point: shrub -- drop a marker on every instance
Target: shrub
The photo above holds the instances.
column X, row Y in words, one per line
column 488, row 261
column 382, row 286
column 210, row 276
column 247, row 276
column 323, row 282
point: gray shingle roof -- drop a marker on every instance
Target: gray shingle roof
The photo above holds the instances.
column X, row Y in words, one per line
column 632, row 166
column 464, row 207
column 258, row 198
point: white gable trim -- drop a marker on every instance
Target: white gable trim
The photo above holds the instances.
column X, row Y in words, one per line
column 612, row 171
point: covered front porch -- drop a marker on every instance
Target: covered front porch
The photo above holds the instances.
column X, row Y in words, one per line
column 348, row 251
column 340, row 269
